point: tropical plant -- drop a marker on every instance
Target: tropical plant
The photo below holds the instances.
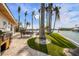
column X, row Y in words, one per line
column 57, row 15
column 49, row 10
column 33, row 16
column 39, row 18
column 49, row 19
column 19, row 9
column 42, row 29
column 25, row 17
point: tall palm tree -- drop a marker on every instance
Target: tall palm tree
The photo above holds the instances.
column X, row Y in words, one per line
column 19, row 9
column 49, row 17
column 39, row 18
column 57, row 15
column 33, row 15
column 25, row 17
column 42, row 29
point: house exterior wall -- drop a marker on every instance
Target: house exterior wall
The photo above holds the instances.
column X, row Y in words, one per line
column 4, row 24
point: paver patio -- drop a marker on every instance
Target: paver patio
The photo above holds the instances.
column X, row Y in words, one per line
column 19, row 47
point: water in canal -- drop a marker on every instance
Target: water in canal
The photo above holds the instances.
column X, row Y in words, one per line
column 73, row 35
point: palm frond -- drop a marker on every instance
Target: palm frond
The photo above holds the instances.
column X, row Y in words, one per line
column 57, row 12
column 19, row 9
column 33, row 14
column 50, row 6
column 25, row 13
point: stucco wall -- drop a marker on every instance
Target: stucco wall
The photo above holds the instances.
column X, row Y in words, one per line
column 4, row 24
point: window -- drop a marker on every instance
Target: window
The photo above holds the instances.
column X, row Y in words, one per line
column 4, row 23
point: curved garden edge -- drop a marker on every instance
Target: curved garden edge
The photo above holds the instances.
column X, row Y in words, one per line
column 55, row 48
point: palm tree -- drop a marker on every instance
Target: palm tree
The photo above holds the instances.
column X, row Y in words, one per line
column 57, row 15
column 25, row 17
column 42, row 30
column 49, row 17
column 39, row 18
column 33, row 14
column 19, row 9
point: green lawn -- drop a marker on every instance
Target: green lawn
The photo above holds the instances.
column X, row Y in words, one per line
column 55, row 48
column 61, row 41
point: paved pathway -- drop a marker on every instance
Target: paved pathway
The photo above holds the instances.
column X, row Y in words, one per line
column 19, row 47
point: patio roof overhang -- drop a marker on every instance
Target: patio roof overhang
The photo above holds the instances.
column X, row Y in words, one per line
column 6, row 12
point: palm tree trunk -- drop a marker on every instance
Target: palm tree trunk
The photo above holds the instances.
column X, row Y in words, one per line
column 54, row 24
column 21, row 34
column 47, row 20
column 32, row 23
column 19, row 21
column 42, row 29
column 49, row 27
column 50, row 21
column 25, row 21
column 39, row 20
column 50, row 17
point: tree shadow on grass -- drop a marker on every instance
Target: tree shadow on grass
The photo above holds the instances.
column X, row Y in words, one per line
column 42, row 48
column 49, row 49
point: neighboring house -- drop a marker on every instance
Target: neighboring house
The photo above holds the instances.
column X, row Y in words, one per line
column 75, row 29
column 7, row 21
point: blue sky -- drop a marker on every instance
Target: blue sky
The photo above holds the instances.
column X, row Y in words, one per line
column 69, row 13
